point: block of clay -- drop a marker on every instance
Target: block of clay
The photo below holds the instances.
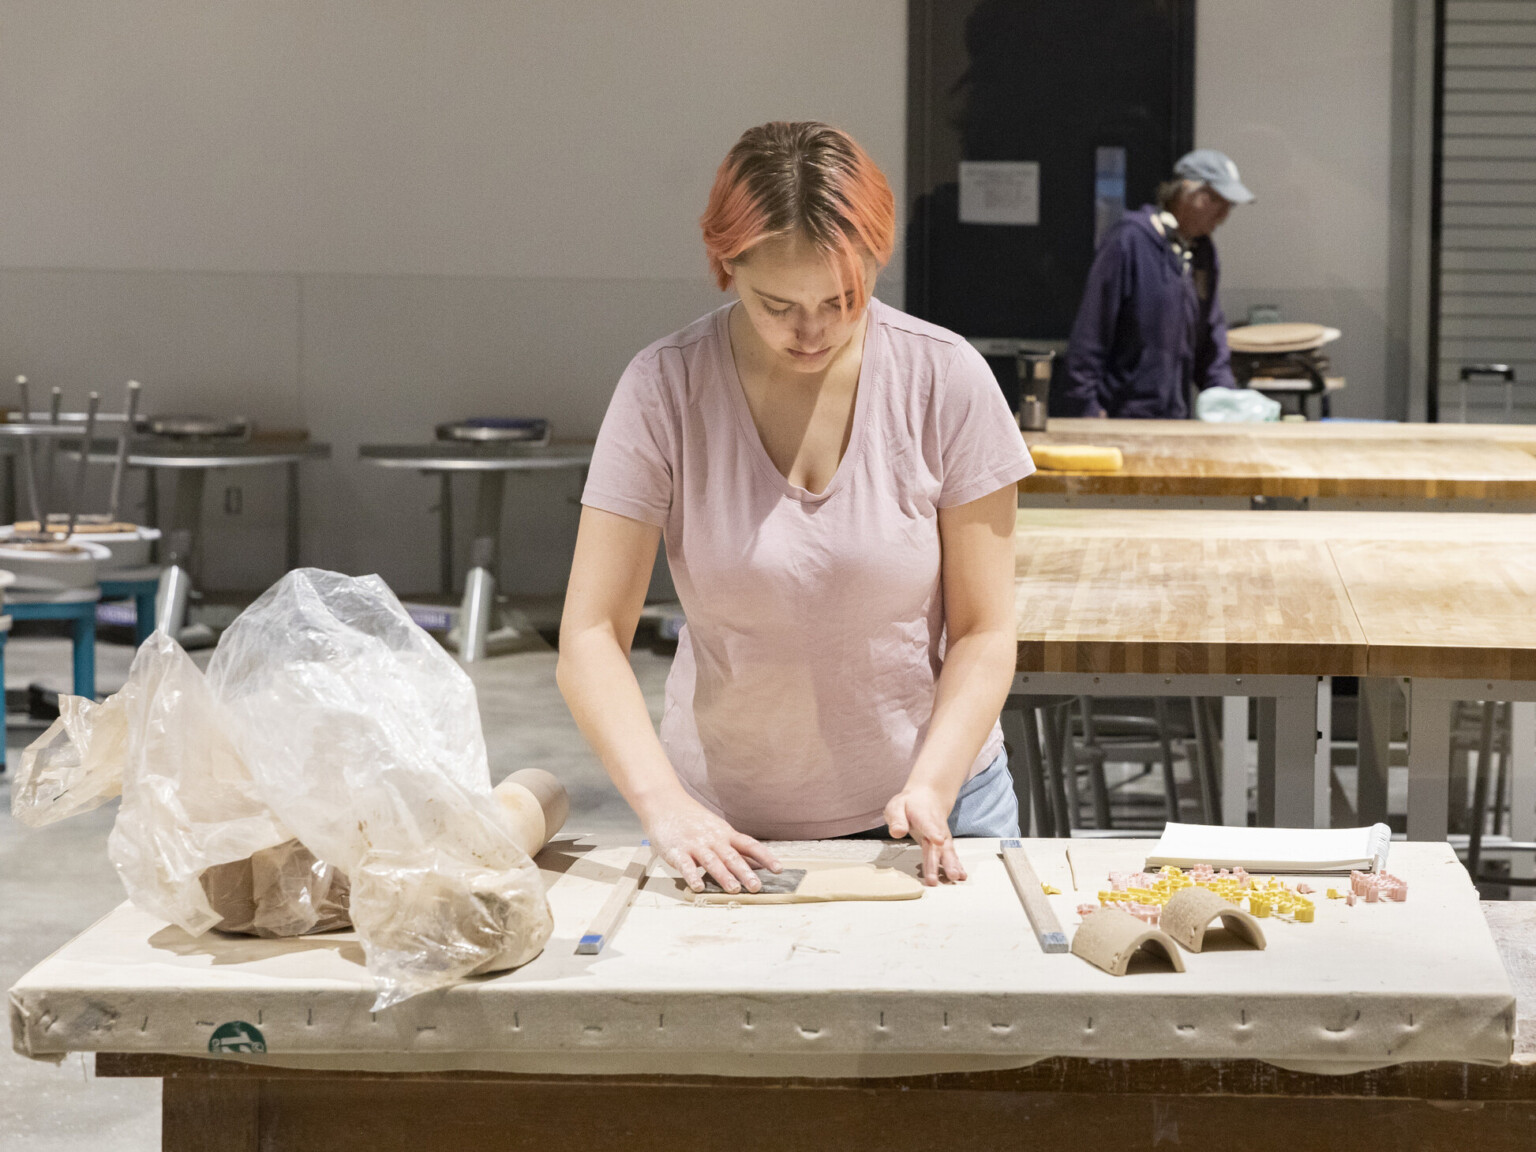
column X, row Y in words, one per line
column 1190, row 911
column 819, row 881
column 1110, row 937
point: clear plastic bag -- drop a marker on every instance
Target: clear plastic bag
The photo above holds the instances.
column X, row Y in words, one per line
column 189, row 800
column 1235, row 406
column 365, row 737
column 279, row 891
column 327, row 717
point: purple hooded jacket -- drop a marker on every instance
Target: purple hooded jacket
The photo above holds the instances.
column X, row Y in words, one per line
column 1143, row 332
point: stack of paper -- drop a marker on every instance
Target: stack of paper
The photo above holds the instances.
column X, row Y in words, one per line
column 1301, row 850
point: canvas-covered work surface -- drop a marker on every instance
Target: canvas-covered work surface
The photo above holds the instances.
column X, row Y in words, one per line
column 948, row 982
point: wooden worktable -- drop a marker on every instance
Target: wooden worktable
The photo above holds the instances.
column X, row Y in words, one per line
column 1190, row 459
column 1522, row 436
column 1064, row 1102
column 1448, row 595
column 1444, row 603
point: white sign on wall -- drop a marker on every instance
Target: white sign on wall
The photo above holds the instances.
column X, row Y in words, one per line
column 999, row 192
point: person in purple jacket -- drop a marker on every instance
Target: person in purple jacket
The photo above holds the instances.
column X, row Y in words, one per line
column 1150, row 329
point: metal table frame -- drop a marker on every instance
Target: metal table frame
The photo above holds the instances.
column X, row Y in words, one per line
column 1293, row 780
column 182, row 557
column 491, row 462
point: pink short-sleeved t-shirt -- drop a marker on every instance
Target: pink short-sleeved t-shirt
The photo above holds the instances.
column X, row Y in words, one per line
column 804, row 679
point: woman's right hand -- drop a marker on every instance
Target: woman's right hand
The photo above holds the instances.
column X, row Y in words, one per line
column 694, row 840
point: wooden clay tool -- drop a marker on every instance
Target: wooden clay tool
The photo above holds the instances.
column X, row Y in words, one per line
column 606, row 922
column 1032, row 896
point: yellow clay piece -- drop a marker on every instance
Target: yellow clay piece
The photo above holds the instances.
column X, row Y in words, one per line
column 1050, row 889
column 1335, row 894
column 1305, row 914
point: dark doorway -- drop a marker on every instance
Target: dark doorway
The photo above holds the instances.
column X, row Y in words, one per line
column 1061, row 111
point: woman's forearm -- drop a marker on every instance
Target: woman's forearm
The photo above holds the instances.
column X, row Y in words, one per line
column 973, row 686
column 604, row 697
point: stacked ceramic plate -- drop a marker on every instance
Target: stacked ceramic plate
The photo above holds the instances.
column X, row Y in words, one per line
column 128, row 545
column 52, row 567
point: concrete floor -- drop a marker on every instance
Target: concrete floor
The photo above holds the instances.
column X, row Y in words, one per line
column 56, row 881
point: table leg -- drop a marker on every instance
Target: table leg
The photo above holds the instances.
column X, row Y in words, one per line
column 1012, row 721
column 1058, row 734
column 1375, row 751
column 479, row 606
column 1045, row 820
column 1264, row 801
column 1429, row 755
column 83, row 629
column 1165, row 747
column 184, row 540
column 1204, row 762
column 172, row 594
column 445, row 533
column 1288, row 784
column 294, row 515
column 1234, row 760
column 152, row 512
column 1323, row 754
column 1522, row 791
column 4, row 635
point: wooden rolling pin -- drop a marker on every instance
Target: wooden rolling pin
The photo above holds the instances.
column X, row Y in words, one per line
column 536, row 805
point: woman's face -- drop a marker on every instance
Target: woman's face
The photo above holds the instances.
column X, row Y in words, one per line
column 790, row 294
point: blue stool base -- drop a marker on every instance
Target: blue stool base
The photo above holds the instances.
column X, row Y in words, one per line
column 81, row 615
column 142, row 593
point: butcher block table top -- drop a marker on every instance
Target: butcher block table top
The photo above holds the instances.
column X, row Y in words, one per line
column 1188, row 458
column 1521, row 436
column 1441, row 595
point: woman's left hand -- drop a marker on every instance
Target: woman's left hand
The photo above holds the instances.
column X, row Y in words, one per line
column 920, row 812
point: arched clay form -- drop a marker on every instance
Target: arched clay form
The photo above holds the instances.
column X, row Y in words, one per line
column 1109, row 938
column 1191, row 911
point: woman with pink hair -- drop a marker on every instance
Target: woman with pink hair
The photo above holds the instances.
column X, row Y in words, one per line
column 835, row 484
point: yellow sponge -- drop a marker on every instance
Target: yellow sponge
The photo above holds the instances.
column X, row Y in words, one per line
column 1077, row 458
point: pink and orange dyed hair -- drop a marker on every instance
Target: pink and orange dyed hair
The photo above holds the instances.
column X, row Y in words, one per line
column 785, row 178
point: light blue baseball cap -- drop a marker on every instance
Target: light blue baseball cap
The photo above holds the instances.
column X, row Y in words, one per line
column 1216, row 169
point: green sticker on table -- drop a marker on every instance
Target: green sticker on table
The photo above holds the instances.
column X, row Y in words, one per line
column 237, row 1036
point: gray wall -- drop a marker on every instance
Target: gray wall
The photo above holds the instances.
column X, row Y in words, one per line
column 1299, row 94
column 365, row 216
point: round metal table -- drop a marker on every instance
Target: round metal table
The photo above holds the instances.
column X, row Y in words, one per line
column 190, row 461
column 492, row 461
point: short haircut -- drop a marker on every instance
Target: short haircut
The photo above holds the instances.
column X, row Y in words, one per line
column 805, row 178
